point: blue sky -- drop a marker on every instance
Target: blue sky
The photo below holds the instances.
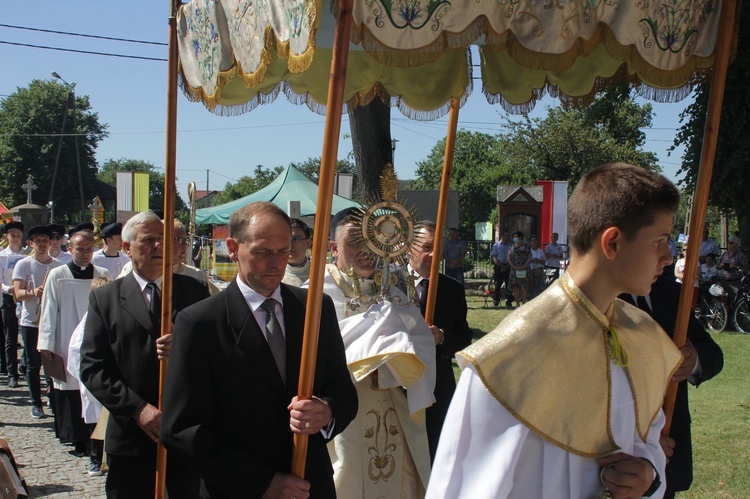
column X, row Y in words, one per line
column 130, row 96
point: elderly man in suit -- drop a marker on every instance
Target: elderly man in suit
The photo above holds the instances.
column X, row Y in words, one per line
column 230, row 399
column 450, row 328
column 703, row 359
column 120, row 367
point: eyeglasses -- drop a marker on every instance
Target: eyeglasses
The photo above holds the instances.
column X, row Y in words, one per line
column 181, row 240
column 56, row 237
column 297, row 239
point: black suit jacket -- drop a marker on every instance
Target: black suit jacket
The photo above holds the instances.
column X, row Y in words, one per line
column 225, row 405
column 665, row 297
column 118, row 356
column 450, row 316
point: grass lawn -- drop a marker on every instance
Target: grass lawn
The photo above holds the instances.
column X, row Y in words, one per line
column 720, row 410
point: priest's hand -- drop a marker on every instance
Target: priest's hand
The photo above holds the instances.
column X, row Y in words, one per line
column 148, row 418
column 626, row 476
column 287, row 487
column 307, row 417
column 689, row 358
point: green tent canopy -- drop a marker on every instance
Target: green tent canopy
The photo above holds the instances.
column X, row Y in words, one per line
column 290, row 185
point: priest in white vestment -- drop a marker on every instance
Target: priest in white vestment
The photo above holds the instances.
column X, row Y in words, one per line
column 391, row 354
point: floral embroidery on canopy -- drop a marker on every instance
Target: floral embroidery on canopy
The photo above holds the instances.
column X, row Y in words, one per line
column 413, row 54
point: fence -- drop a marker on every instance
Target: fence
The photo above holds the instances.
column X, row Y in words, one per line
column 478, row 264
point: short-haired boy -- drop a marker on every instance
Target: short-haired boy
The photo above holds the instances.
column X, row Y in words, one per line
column 563, row 399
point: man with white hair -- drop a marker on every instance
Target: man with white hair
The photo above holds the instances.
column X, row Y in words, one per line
column 120, row 363
column 734, row 259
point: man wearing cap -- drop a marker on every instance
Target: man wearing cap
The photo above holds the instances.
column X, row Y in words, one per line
column 120, row 356
column 29, row 276
column 63, row 304
column 55, row 244
column 110, row 257
column 8, row 259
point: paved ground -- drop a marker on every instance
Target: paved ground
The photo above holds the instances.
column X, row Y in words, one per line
column 44, row 462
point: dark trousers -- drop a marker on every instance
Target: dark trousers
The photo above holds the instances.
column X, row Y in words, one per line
column 10, row 326
column 30, row 335
column 501, row 277
column 457, row 274
column 134, row 477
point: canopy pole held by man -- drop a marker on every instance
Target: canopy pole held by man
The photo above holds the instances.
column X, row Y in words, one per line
column 442, row 214
column 337, row 81
column 169, row 200
column 703, row 184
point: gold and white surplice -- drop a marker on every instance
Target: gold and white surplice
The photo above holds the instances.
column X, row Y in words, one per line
column 390, row 352
column 540, row 399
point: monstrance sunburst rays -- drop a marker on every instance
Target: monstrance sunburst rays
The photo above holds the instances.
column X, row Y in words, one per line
column 387, row 235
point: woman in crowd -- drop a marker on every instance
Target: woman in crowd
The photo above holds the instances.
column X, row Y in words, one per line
column 519, row 258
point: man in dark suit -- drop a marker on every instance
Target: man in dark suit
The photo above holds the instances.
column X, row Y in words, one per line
column 230, row 400
column 450, row 328
column 703, row 359
column 119, row 363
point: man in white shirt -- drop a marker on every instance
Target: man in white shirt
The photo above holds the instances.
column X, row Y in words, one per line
column 29, row 276
column 56, row 238
column 708, row 247
column 9, row 257
column 110, row 257
column 554, row 253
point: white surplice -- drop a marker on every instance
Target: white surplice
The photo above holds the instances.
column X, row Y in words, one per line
column 484, row 452
column 64, row 302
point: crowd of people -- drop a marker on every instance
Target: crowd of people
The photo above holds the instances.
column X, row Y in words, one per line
column 386, row 419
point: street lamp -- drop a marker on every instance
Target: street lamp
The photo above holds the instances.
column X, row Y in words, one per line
column 71, row 102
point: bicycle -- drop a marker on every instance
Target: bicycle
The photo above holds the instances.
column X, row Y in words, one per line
column 712, row 310
column 741, row 312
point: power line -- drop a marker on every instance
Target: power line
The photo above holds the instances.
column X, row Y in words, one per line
column 89, row 52
column 68, row 33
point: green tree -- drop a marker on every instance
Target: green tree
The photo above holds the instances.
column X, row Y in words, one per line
column 30, row 124
column 108, row 175
column 564, row 145
column 569, row 141
column 731, row 176
column 479, row 165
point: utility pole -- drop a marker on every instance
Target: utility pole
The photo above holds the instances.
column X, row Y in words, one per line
column 71, row 103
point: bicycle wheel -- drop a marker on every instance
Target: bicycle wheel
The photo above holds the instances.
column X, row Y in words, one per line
column 741, row 316
column 717, row 316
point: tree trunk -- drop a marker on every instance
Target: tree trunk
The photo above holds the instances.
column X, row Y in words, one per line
column 371, row 143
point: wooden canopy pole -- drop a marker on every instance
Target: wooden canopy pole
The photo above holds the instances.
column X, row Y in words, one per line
column 702, row 186
column 324, row 206
column 445, row 185
column 169, row 199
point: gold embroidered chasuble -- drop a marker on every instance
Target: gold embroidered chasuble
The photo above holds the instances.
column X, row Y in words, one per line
column 548, row 363
column 390, row 353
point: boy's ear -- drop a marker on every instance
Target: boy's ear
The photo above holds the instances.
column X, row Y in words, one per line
column 610, row 241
